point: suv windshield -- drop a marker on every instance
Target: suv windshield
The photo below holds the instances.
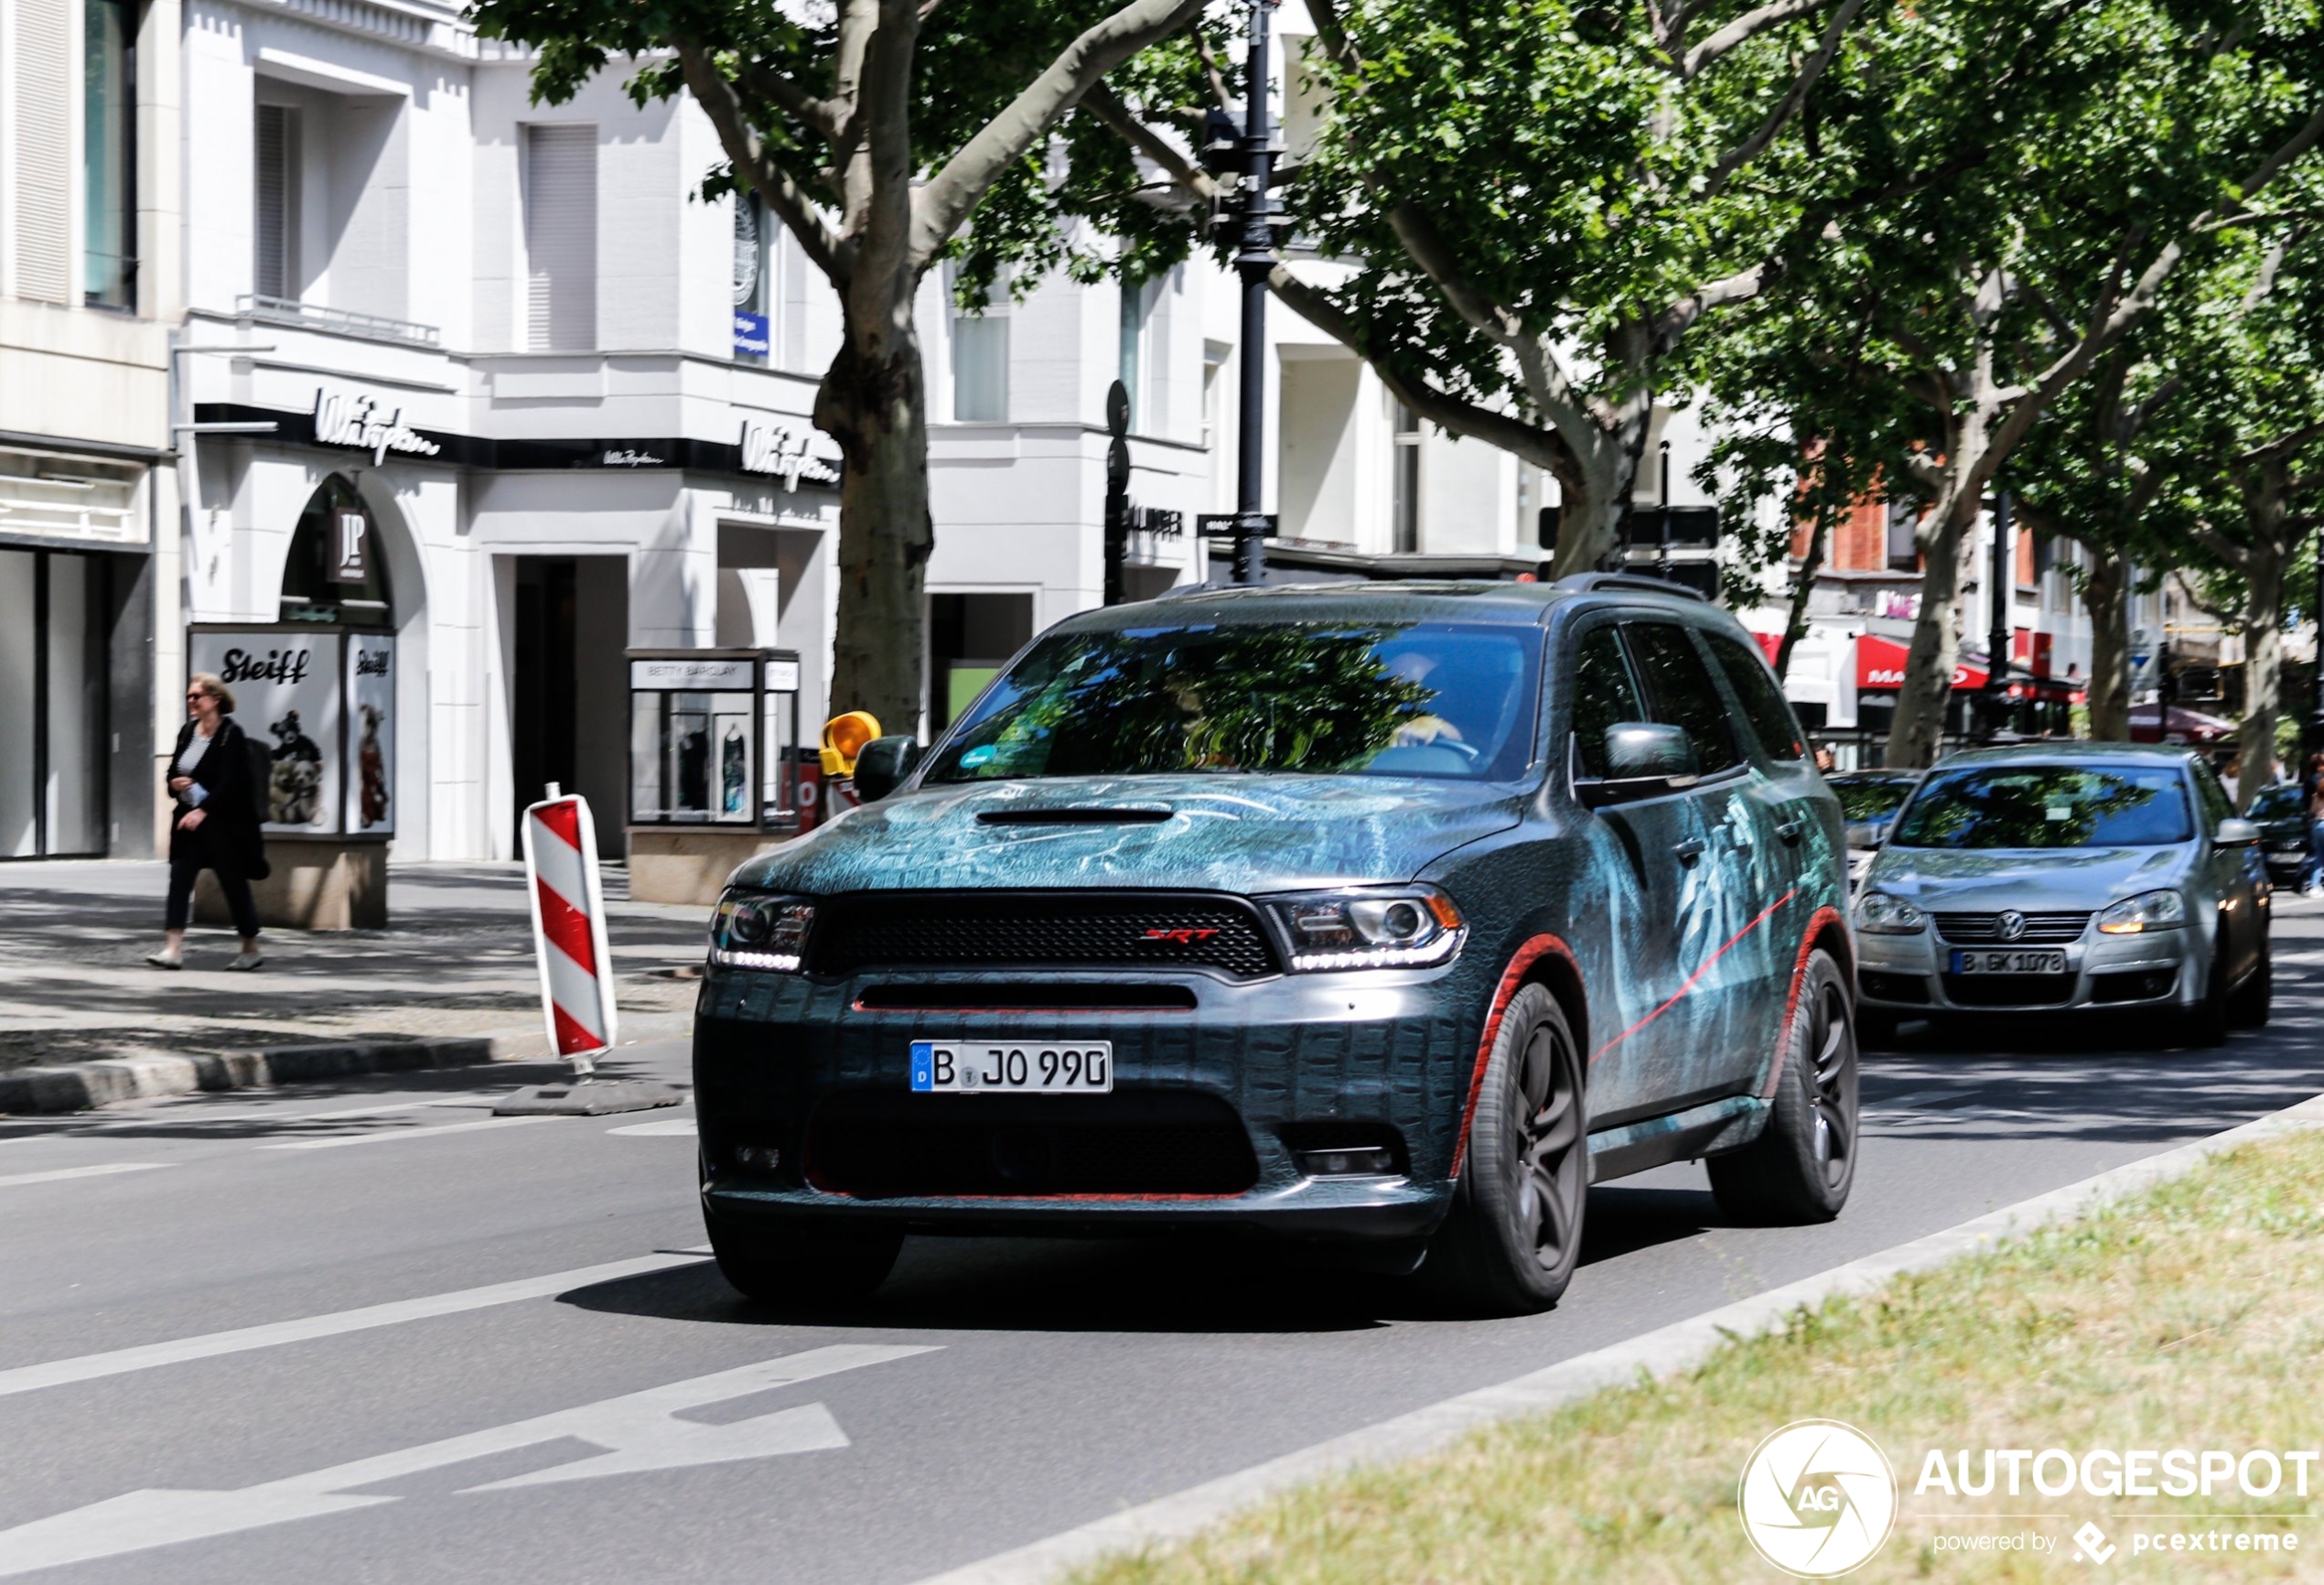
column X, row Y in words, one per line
column 2048, row 806
column 1373, row 699
column 2276, row 804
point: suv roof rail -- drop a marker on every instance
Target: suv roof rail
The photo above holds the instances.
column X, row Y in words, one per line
column 1584, row 582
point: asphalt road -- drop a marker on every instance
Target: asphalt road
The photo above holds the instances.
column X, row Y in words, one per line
column 266, row 1338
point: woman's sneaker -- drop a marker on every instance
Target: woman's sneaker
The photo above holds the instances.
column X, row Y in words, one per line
column 163, row 960
column 245, row 960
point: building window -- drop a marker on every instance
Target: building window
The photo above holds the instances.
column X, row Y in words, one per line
column 1904, row 554
column 1405, row 502
column 1137, row 302
column 40, row 118
column 980, row 356
column 274, row 217
column 561, row 237
column 109, row 153
column 335, row 572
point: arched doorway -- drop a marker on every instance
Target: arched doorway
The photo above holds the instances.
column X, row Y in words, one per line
column 337, row 569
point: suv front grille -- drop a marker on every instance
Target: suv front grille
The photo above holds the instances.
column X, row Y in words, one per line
column 1057, row 930
column 2041, row 929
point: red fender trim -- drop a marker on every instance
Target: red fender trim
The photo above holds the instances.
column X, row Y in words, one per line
column 1533, row 951
column 1821, row 917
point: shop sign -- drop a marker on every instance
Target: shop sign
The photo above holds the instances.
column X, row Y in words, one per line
column 288, row 698
column 778, row 449
column 357, row 422
column 350, row 555
column 707, row 675
column 626, row 457
column 1160, row 521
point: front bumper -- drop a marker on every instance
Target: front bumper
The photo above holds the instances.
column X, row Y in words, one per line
column 806, row 1110
column 1905, row 975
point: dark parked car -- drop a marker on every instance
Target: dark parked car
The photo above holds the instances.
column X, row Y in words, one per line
column 1869, row 802
column 2283, row 831
column 1392, row 915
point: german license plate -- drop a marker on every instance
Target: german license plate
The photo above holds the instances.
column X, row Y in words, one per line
column 1012, row 1068
column 2013, row 961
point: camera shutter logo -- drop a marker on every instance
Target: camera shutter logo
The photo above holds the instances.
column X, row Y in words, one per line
column 1818, row 1498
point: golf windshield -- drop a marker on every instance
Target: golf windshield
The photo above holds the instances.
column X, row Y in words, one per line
column 1372, row 699
column 2048, row 806
column 1868, row 802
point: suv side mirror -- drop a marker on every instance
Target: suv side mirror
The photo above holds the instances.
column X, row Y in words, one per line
column 1643, row 760
column 883, row 765
column 2235, row 833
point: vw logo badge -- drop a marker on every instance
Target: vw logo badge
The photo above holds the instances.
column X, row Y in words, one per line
column 2010, row 925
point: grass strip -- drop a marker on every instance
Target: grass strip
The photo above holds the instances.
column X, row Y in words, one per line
column 2189, row 1316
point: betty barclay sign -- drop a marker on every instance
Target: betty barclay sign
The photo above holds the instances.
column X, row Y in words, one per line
column 358, row 421
column 778, row 449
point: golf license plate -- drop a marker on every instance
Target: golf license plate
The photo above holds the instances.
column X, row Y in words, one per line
column 2012, row 960
column 1012, row 1068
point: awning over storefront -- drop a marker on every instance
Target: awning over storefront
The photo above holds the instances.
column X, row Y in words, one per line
column 1879, row 664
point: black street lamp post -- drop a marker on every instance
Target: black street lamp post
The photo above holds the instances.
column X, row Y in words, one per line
column 1254, row 261
column 1996, row 698
column 2315, row 744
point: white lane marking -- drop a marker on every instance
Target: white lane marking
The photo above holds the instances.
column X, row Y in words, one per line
column 63, row 1172
column 336, row 1140
column 638, row 1431
column 272, row 1334
column 674, row 1127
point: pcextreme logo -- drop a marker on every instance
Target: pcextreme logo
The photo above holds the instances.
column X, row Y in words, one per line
column 1818, row 1498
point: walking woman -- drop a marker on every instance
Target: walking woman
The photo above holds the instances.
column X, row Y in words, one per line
column 217, row 821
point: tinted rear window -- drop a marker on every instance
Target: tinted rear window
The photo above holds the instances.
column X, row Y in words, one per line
column 1681, row 694
column 2048, row 806
column 1764, row 706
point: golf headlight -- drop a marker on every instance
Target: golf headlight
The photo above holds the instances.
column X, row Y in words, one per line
column 1877, row 914
column 755, row 930
column 2162, row 910
column 1409, row 927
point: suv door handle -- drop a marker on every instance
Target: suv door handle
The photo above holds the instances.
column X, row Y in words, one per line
column 1689, row 850
column 1790, row 830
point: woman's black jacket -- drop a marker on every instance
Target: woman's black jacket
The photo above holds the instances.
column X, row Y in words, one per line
column 228, row 839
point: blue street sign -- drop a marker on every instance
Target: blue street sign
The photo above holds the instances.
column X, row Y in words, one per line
column 750, row 335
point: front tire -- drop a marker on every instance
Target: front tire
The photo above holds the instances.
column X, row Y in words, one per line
column 2255, row 999
column 1514, row 1235
column 1802, row 1166
column 2207, row 1022
column 788, row 1263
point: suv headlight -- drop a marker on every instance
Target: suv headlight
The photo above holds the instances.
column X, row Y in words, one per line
column 1877, row 914
column 751, row 930
column 1402, row 927
column 2164, row 910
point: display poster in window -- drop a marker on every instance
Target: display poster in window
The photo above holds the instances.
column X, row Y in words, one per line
column 371, row 730
column 287, row 688
column 350, row 546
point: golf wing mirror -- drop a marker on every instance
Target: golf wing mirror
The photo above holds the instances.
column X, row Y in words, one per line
column 884, row 764
column 2235, row 833
column 1643, row 760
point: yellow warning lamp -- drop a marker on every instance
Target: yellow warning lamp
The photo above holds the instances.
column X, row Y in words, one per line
column 844, row 739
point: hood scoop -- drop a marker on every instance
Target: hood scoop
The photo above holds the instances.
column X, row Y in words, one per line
column 1073, row 815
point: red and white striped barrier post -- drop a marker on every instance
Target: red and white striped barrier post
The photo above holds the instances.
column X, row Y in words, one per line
column 576, row 967
column 568, row 928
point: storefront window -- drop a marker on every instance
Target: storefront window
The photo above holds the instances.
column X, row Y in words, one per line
column 52, row 703
column 336, row 571
column 109, row 88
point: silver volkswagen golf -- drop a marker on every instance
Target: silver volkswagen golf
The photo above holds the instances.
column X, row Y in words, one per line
column 2066, row 874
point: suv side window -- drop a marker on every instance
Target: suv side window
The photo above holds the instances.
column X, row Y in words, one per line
column 2210, row 794
column 1764, row 706
column 1681, row 694
column 1603, row 695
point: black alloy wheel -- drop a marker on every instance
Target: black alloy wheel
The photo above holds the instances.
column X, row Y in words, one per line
column 1514, row 1235
column 1802, row 1165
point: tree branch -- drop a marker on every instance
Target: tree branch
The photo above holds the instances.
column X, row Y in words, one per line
column 952, row 194
column 820, row 115
column 1752, row 147
column 718, row 100
column 1742, row 30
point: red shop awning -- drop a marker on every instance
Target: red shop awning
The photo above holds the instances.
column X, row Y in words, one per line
column 1879, row 664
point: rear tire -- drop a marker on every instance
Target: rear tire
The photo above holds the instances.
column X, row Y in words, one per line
column 1802, row 1166
column 1514, row 1235
column 788, row 1263
column 2255, row 999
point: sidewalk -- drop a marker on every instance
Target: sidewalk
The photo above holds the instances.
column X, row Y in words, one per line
column 456, row 963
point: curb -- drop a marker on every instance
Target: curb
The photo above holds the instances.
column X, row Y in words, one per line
column 78, row 1086
column 1659, row 1353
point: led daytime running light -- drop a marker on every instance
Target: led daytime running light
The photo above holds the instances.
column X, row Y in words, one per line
column 1436, row 951
column 785, row 962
